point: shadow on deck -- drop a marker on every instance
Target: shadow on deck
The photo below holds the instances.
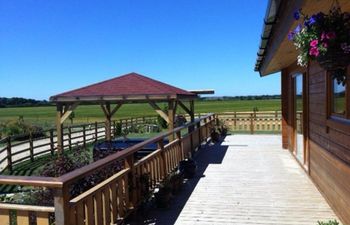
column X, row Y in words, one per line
column 208, row 154
column 247, row 179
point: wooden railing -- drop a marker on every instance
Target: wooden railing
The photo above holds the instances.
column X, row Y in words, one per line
column 114, row 198
column 12, row 153
column 252, row 122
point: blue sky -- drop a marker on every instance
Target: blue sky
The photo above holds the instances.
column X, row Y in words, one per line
column 47, row 46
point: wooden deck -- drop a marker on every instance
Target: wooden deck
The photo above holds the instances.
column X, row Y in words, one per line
column 247, row 179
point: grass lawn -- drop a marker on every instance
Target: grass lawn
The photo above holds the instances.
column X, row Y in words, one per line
column 45, row 116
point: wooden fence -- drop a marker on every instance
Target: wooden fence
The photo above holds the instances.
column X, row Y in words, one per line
column 110, row 201
column 252, row 122
column 12, row 153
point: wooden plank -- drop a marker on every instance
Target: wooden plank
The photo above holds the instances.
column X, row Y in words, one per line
column 4, row 216
column 159, row 111
column 120, row 200
column 114, row 211
column 107, row 205
column 23, row 217
column 89, row 211
column 42, row 218
column 98, row 211
column 80, row 216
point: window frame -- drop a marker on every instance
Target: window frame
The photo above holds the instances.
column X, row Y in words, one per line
column 335, row 120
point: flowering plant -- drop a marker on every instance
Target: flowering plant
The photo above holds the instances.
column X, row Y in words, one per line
column 321, row 35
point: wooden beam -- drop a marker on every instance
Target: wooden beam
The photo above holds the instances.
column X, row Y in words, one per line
column 184, row 107
column 159, row 111
column 68, row 109
column 116, row 108
column 192, row 110
column 171, row 116
column 104, row 110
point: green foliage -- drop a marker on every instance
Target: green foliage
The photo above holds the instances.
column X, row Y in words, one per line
column 71, row 117
column 330, row 222
column 19, row 128
column 321, row 33
column 118, row 130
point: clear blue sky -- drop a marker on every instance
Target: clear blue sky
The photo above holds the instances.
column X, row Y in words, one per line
column 49, row 46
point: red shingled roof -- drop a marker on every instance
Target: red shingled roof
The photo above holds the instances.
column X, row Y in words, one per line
column 128, row 84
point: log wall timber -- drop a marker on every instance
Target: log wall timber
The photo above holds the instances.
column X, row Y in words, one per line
column 329, row 141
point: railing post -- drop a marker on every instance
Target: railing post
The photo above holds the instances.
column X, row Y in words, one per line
column 164, row 169
column 70, row 138
column 251, row 123
column 96, row 132
column 129, row 163
column 9, row 154
column 52, row 146
column 179, row 137
column 61, row 203
column 31, row 149
column 84, row 136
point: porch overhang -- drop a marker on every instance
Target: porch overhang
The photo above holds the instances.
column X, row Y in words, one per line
column 276, row 51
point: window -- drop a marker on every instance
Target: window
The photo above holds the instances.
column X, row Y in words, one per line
column 338, row 95
column 338, row 101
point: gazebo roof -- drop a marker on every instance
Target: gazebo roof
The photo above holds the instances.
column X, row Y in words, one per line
column 128, row 87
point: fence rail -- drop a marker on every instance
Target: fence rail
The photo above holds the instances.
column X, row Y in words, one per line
column 252, row 122
column 114, row 198
column 12, row 153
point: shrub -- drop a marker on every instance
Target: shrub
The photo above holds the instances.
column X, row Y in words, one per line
column 118, row 129
column 330, row 222
column 20, row 129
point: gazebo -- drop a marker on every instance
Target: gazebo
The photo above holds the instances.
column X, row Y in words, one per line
column 128, row 88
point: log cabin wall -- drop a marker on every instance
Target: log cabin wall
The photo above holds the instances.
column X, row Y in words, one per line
column 328, row 145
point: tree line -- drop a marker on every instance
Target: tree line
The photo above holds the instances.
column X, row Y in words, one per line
column 21, row 102
column 28, row 102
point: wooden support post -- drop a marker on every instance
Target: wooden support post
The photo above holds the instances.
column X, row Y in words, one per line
column 59, row 128
column 61, row 203
column 171, row 117
column 191, row 128
column 129, row 163
column 164, row 165
column 108, row 114
column 179, row 137
column 52, row 146
column 9, row 154
column 31, row 147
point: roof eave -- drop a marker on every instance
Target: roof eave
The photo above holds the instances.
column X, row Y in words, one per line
column 279, row 31
column 119, row 98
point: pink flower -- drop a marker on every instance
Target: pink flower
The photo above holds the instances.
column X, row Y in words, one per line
column 323, row 36
column 325, row 44
column 314, row 43
column 314, row 51
column 330, row 35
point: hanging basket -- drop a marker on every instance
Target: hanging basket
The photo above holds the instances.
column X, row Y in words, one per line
column 334, row 60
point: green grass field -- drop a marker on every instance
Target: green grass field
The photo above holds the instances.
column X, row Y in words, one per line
column 45, row 116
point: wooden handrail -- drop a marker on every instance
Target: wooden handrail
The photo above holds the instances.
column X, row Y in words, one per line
column 33, row 208
column 98, row 186
column 50, row 182
column 88, row 169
